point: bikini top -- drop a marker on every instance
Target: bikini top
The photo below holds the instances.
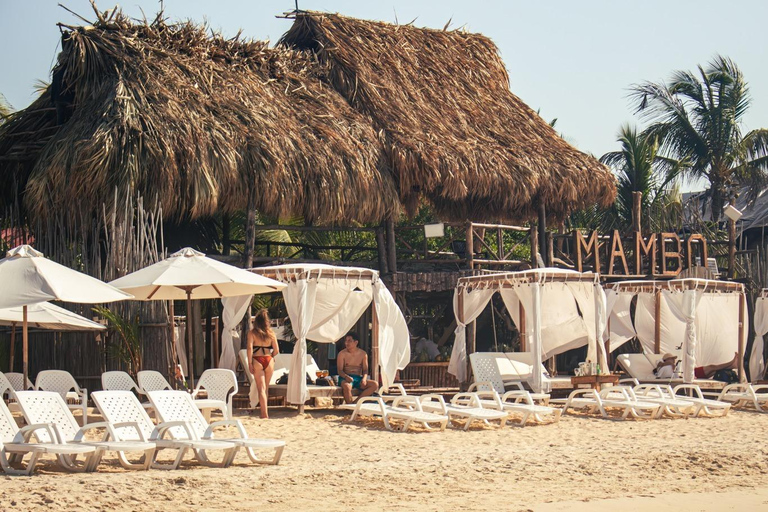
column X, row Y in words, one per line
column 265, row 349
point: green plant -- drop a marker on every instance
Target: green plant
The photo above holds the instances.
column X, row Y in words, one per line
column 128, row 350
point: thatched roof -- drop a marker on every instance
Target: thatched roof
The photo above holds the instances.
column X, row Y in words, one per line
column 454, row 131
column 343, row 122
column 173, row 114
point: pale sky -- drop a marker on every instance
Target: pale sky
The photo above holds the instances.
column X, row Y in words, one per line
column 572, row 60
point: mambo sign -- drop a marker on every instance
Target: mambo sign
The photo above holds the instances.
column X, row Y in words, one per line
column 657, row 255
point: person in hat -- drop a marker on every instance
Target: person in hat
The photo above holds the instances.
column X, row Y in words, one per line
column 665, row 369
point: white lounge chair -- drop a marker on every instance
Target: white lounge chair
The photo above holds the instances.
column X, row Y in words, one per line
column 675, row 406
column 494, row 371
column 118, row 381
column 17, row 381
column 62, row 382
column 123, row 410
column 409, row 413
column 7, row 392
column 463, row 406
column 151, row 380
column 516, row 401
column 220, row 384
column 177, row 406
column 49, row 407
column 744, row 395
column 15, row 444
column 611, row 397
column 703, row 405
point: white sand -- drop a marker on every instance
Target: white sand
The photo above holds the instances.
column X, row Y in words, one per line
column 577, row 464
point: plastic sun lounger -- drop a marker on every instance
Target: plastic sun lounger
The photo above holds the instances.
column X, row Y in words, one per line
column 408, row 414
column 702, row 405
column 15, row 443
column 744, row 395
column 62, row 382
column 675, row 406
column 516, row 401
column 611, row 397
column 494, row 371
column 17, row 381
column 131, row 423
column 464, row 406
column 177, row 406
column 49, row 407
column 220, row 384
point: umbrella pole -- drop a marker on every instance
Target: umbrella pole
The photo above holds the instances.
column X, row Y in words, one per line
column 172, row 345
column 25, row 346
column 190, row 342
column 13, row 346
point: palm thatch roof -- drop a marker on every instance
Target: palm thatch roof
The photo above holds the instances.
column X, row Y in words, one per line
column 191, row 120
column 345, row 121
column 454, row 132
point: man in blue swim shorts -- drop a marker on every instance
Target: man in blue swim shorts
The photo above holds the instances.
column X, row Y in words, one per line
column 352, row 364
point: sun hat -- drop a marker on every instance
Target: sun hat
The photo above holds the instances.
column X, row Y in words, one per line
column 668, row 356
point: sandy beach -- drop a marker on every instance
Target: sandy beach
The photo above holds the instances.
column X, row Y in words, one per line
column 582, row 463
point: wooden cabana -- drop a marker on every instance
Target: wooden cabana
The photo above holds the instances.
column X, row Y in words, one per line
column 704, row 321
column 554, row 309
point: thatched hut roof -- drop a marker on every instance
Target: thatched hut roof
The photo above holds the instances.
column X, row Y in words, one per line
column 173, row 114
column 454, row 132
column 343, row 122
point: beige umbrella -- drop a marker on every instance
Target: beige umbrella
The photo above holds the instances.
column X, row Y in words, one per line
column 189, row 274
column 45, row 316
column 30, row 278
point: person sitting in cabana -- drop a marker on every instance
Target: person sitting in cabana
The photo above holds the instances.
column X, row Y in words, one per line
column 352, row 363
column 722, row 372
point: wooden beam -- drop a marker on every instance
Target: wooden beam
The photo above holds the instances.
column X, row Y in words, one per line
column 381, row 250
column 542, row 227
column 391, row 246
column 637, row 202
column 731, row 249
column 522, row 327
column 470, row 246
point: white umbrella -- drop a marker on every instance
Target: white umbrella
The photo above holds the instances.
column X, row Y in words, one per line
column 189, row 274
column 46, row 316
column 30, row 278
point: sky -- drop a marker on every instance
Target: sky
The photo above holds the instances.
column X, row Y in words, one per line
column 571, row 60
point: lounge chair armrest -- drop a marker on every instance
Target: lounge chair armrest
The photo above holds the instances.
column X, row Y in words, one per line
column 413, row 401
column 615, row 389
column 515, row 382
column 693, row 387
column 737, row 386
column 162, row 428
column 127, row 424
column 375, row 399
column 90, row 426
column 584, row 391
column 475, row 385
column 433, row 397
column 466, row 398
column 630, row 381
column 26, row 432
column 756, row 388
column 221, row 423
column 517, row 395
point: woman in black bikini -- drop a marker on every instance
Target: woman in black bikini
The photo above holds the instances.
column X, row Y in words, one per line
column 262, row 347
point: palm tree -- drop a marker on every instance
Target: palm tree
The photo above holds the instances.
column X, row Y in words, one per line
column 5, row 108
column 640, row 168
column 698, row 119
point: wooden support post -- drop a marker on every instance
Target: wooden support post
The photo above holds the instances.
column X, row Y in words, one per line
column 172, row 356
column 542, row 225
column 742, row 306
column 190, row 342
column 470, row 246
column 13, row 347
column 226, row 245
column 534, row 246
column 250, row 230
column 731, row 249
column 550, row 249
column 381, row 250
column 637, row 202
column 374, row 343
column 657, row 323
column 608, row 354
column 523, row 333
column 391, row 246
column 460, row 319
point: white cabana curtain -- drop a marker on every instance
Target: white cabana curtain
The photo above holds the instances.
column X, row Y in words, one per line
column 299, row 298
column 683, row 306
column 394, row 340
column 621, row 326
column 179, row 335
column 339, row 303
column 592, row 303
column 475, row 301
column 717, row 328
column 672, row 326
column 234, row 309
column 756, row 360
